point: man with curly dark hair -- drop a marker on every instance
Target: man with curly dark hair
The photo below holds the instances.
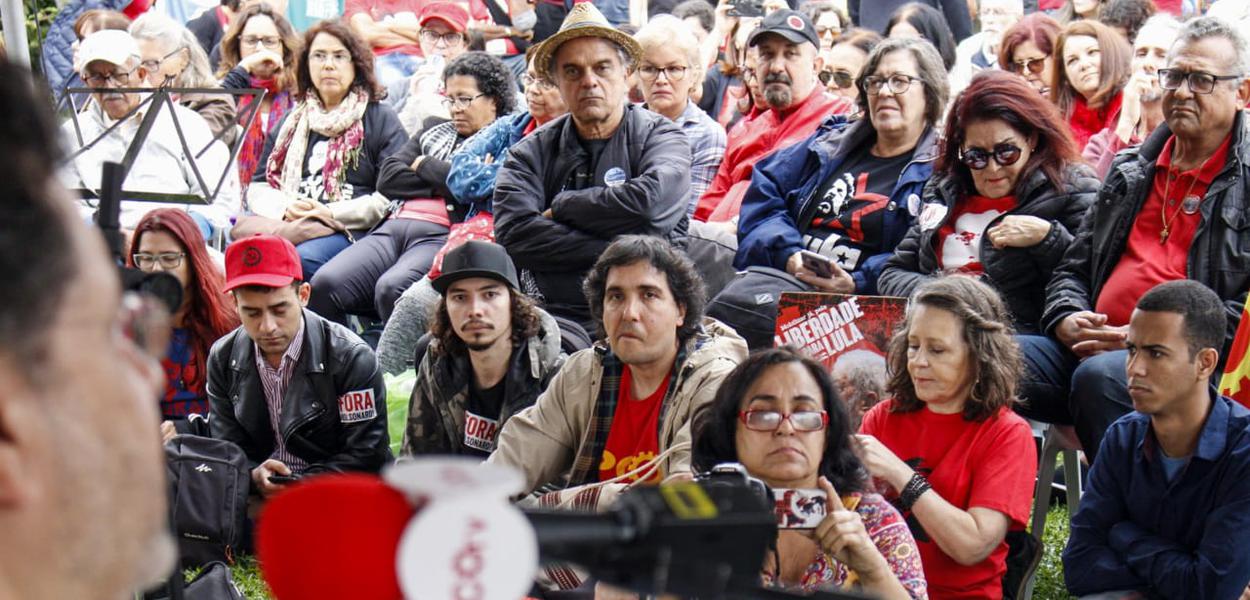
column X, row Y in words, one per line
column 627, row 402
column 492, row 354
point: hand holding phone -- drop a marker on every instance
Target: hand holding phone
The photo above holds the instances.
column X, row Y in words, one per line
column 820, row 265
column 283, row 479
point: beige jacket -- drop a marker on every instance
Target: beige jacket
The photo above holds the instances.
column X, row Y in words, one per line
column 544, row 440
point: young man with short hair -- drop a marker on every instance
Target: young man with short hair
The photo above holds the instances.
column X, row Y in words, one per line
column 1167, row 510
column 298, row 393
column 492, row 353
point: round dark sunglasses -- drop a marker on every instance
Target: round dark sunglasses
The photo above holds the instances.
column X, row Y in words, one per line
column 978, row 158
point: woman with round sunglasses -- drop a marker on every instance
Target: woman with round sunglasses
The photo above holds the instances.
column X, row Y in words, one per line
column 167, row 240
column 844, row 61
column 1028, row 50
column 1006, row 198
column 778, row 414
column 947, row 448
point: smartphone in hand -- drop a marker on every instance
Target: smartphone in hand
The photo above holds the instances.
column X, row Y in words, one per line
column 820, row 265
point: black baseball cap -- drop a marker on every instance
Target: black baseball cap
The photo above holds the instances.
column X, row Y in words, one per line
column 790, row 24
column 476, row 258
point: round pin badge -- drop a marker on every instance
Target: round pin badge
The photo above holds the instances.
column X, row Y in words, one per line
column 1190, row 205
column 932, row 216
column 614, row 177
column 794, row 22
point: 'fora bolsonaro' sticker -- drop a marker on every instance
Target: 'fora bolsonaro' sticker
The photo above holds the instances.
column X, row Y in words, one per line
column 357, row 406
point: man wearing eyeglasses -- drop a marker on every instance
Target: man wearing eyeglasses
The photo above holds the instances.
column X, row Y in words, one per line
column 401, row 32
column 1141, row 107
column 109, row 60
column 418, row 95
column 980, row 50
column 1174, row 208
column 796, row 104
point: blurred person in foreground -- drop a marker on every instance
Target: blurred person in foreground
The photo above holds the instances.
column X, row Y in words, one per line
column 82, row 487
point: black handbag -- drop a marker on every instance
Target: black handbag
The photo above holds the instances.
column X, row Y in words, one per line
column 749, row 303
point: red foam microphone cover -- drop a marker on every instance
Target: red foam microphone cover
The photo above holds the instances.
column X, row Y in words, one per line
column 333, row 537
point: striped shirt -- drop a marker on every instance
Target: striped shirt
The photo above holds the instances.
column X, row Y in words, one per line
column 275, row 383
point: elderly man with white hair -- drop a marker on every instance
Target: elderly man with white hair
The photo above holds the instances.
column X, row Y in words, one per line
column 1141, row 110
column 669, row 71
column 980, row 51
column 108, row 60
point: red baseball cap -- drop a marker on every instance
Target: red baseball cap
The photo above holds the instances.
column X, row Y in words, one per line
column 451, row 12
column 262, row 259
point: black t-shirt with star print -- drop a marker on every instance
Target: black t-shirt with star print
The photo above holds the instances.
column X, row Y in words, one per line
column 851, row 208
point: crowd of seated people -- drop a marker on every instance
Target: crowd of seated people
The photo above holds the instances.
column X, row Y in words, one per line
column 1063, row 201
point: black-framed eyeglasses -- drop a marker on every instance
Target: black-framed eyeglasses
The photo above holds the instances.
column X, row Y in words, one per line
column 1198, row 81
column 460, row 101
column 1032, row 65
column 168, row 260
column 898, row 83
column 1005, row 154
column 541, row 83
column 267, row 41
column 770, row 420
column 452, row 39
column 651, row 73
column 840, row 78
column 118, row 78
column 152, row 65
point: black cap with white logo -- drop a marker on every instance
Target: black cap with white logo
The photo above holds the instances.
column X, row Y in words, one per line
column 790, row 24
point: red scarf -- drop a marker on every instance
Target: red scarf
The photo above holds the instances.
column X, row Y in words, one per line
column 254, row 139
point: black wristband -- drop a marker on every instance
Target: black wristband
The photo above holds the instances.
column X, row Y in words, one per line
column 916, row 486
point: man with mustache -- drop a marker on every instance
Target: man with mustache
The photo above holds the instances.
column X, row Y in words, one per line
column 1141, row 110
column 797, row 103
column 110, row 59
column 299, row 394
column 605, row 169
column 1167, row 510
column 492, row 353
column 1175, row 207
column 616, row 408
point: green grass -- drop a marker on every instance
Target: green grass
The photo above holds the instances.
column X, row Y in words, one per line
column 1049, row 585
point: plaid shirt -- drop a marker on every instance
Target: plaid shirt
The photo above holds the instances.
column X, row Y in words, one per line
column 275, row 383
column 707, row 146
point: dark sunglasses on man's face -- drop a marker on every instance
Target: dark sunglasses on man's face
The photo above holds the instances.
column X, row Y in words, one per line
column 1033, row 65
column 841, row 79
column 978, row 158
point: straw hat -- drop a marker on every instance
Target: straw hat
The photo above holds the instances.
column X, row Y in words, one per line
column 583, row 21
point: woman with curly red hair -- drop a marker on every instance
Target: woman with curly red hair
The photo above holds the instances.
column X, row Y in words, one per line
column 168, row 240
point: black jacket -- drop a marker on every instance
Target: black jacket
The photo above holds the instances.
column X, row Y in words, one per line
column 1019, row 274
column 441, row 393
column 1219, row 256
column 650, row 152
column 333, row 364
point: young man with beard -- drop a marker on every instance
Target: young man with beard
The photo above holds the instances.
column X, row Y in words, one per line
column 492, row 354
column 787, row 69
column 1167, row 510
column 629, row 399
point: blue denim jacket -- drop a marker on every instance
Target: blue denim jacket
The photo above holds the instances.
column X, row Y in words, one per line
column 472, row 179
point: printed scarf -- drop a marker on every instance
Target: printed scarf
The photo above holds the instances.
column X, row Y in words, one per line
column 344, row 125
column 254, row 139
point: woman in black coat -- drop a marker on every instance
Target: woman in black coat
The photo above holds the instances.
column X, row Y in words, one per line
column 1007, row 196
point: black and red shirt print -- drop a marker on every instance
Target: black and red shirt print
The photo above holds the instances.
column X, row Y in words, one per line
column 851, row 208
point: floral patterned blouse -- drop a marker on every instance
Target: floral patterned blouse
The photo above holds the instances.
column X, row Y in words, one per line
column 888, row 530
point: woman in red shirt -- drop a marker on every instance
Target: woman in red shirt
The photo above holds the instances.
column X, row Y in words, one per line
column 1093, row 66
column 947, row 448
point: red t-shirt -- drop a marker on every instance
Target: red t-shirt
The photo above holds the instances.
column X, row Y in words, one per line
column 959, row 240
column 634, row 438
column 385, row 10
column 990, row 464
column 1147, row 262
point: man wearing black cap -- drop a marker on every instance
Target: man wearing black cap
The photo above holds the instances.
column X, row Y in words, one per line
column 787, row 69
column 299, row 394
column 492, row 354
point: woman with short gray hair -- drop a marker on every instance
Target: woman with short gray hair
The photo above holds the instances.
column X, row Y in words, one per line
column 172, row 57
column 670, row 70
column 831, row 210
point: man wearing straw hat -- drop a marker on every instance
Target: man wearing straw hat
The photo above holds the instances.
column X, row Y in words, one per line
column 607, row 168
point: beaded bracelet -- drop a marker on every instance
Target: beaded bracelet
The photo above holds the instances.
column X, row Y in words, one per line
column 916, row 486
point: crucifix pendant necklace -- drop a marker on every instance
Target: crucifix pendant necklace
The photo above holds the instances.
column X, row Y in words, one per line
column 1163, row 211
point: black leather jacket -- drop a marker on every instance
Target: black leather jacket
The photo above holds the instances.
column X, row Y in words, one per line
column 333, row 364
column 1019, row 274
column 1219, row 256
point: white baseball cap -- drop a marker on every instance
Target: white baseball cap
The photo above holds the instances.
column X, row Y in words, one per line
column 109, row 45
